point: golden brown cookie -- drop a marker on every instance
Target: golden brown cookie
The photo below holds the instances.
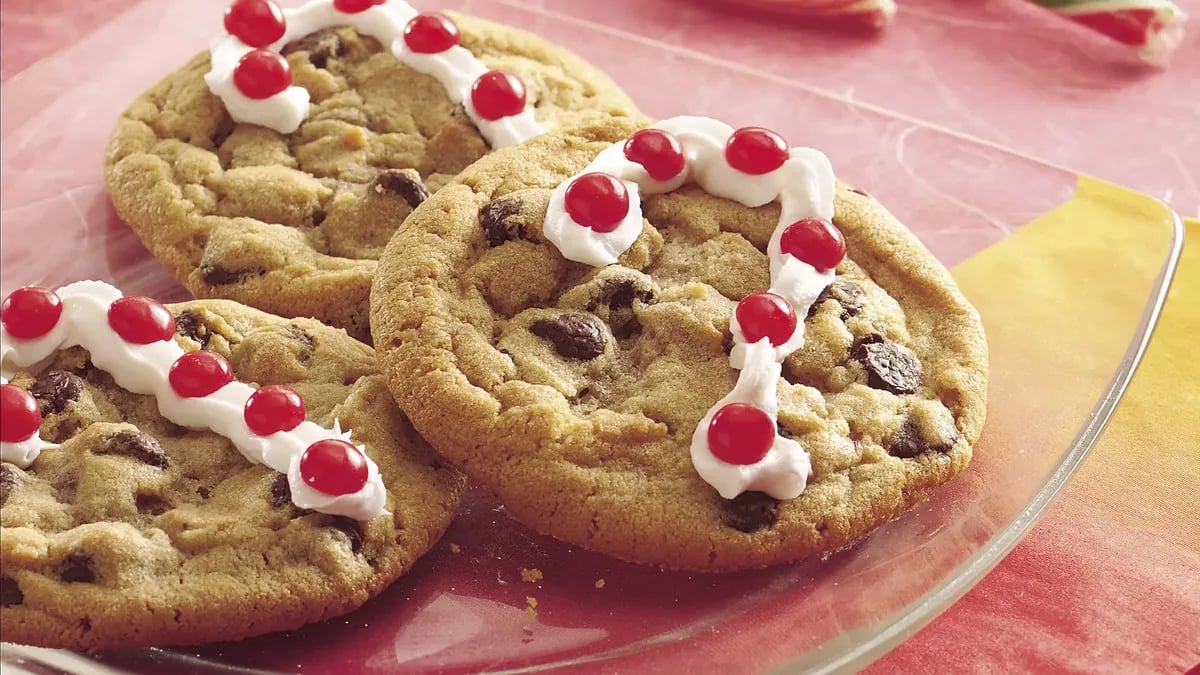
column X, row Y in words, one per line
column 293, row 223
column 574, row 391
column 135, row 530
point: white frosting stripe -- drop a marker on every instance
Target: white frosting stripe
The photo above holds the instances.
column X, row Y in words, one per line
column 456, row 68
column 144, row 369
column 804, row 186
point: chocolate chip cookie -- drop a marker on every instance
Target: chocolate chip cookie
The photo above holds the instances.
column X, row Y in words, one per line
column 587, row 351
column 131, row 526
column 293, row 221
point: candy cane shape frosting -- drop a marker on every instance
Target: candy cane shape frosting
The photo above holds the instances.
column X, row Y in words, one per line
column 131, row 338
column 596, row 216
column 255, row 81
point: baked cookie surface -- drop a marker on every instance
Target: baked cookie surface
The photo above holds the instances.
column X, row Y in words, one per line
column 293, row 223
column 137, row 531
column 573, row 391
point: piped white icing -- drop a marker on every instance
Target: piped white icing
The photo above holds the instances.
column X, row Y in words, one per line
column 144, row 369
column 804, row 187
column 456, row 69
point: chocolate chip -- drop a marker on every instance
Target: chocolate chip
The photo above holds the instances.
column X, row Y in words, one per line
column 152, row 504
column 10, row 481
column 54, row 389
column 750, row 512
column 10, row 592
column 619, row 296
column 861, row 192
column 847, row 294
column 495, row 218
column 138, row 445
column 890, row 365
column 77, row 569
column 575, row 336
column 318, row 217
column 215, row 275
column 352, row 529
column 204, row 492
column 402, row 184
column 281, row 492
column 321, row 46
column 910, row 442
column 190, row 325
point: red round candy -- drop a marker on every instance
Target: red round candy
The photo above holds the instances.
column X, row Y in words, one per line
column 355, row 6
column 766, row 315
column 198, row 374
column 258, row 23
column 274, row 408
column 141, row 320
column 658, row 151
column 740, row 434
column 597, row 200
column 333, row 467
column 262, row 74
column 815, row 241
column 431, row 33
column 30, row 312
column 498, row 94
column 756, row 151
column 20, row 416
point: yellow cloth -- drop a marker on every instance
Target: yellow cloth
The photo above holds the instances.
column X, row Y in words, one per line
column 1109, row 580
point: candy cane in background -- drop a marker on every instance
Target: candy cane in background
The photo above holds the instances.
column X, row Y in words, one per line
column 1154, row 27
column 871, row 13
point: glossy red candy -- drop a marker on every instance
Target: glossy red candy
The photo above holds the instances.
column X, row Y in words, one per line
column 815, row 241
column 274, row 408
column 658, row 151
column 431, row 33
column 740, row 434
column 141, row 320
column 766, row 315
column 756, row 151
column 333, row 467
column 355, row 6
column 498, row 94
column 262, row 74
column 597, row 200
column 198, row 374
column 20, row 416
column 30, row 312
column 258, row 23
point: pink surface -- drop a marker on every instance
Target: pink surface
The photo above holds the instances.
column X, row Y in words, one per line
column 1037, row 91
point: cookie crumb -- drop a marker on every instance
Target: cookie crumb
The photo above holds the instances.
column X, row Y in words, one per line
column 600, row 583
column 531, row 575
column 455, row 548
column 531, row 605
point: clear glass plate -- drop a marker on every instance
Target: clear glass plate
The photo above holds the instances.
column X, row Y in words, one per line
column 463, row 608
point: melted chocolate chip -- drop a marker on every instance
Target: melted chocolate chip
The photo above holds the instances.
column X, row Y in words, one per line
column 215, row 275
column 321, row 46
column 281, row 492
column 402, row 184
column 750, row 512
column 10, row 481
column 352, row 529
column 890, row 365
column 204, row 492
column 152, row 504
column 575, row 336
column 10, row 592
column 54, row 389
column 77, row 569
column 847, row 294
column 190, row 325
column 910, row 442
column 622, row 294
column 138, row 445
column 496, row 217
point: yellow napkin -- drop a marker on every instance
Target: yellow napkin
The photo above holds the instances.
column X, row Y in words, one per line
column 1108, row 579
